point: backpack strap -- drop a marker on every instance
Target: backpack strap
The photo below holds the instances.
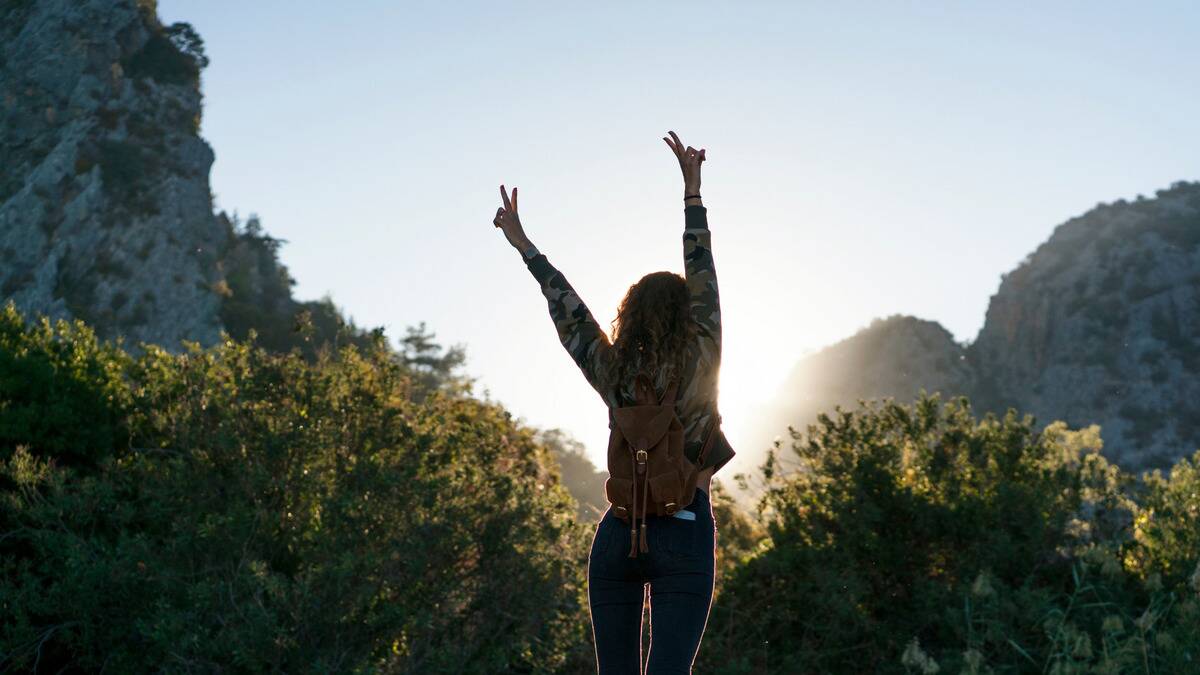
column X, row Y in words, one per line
column 644, row 389
column 671, row 395
column 712, row 435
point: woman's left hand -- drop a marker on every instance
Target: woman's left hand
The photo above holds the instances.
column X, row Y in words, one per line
column 509, row 221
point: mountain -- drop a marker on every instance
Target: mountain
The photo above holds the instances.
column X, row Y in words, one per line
column 1101, row 324
column 106, row 215
column 896, row 357
column 106, row 212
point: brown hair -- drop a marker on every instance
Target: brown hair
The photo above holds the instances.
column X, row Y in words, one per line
column 653, row 330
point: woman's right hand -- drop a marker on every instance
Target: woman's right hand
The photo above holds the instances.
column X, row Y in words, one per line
column 509, row 221
column 689, row 162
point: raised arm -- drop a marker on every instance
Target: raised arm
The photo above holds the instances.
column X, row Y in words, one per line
column 698, row 265
column 702, row 281
column 578, row 332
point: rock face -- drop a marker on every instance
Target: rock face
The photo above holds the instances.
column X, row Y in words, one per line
column 895, row 357
column 1101, row 324
column 105, row 209
column 106, row 216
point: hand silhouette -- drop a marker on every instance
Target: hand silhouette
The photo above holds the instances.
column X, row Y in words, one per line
column 509, row 221
column 689, row 162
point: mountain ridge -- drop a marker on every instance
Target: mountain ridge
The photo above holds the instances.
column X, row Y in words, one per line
column 106, row 215
column 1098, row 324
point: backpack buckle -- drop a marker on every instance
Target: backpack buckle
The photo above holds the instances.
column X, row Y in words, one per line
column 642, row 455
column 672, row 507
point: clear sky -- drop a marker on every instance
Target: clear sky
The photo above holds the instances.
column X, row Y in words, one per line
column 862, row 161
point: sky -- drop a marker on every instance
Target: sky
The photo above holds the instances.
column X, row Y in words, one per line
column 863, row 160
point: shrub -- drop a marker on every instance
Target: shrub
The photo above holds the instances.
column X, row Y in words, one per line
column 160, row 60
column 990, row 544
column 62, row 392
column 262, row 512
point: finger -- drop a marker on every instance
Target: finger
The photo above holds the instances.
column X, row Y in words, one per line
column 669, row 145
column 677, row 147
column 504, row 196
column 514, row 200
column 682, row 151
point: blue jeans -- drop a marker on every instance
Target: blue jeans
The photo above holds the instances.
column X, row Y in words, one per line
column 679, row 569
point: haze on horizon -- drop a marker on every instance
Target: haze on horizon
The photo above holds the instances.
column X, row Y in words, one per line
column 860, row 163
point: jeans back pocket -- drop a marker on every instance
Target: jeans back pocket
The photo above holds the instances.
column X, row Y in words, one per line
column 676, row 536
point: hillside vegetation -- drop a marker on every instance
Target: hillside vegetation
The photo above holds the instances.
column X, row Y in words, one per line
column 235, row 508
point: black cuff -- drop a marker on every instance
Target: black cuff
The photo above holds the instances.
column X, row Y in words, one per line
column 540, row 267
column 720, row 453
column 695, row 215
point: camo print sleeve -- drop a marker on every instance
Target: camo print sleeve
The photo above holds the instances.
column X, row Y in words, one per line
column 577, row 330
column 699, row 401
column 702, row 282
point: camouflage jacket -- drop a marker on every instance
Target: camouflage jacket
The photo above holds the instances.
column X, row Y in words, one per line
column 589, row 345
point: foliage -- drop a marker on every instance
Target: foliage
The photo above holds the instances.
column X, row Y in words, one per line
column 916, row 538
column 256, row 297
column 1166, row 528
column 188, row 42
column 739, row 535
column 62, row 390
column 430, row 368
column 235, row 508
column 577, row 473
column 171, row 55
column 271, row 513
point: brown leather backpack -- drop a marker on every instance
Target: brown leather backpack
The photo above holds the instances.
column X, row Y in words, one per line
column 648, row 472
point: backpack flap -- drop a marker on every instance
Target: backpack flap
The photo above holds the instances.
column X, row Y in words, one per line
column 643, row 426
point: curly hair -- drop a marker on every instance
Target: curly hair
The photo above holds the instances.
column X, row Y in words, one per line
column 653, row 330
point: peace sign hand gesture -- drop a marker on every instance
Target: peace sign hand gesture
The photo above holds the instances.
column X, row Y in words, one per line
column 689, row 163
column 509, row 222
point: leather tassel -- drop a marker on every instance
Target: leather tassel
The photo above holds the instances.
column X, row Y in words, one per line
column 645, row 492
column 633, row 519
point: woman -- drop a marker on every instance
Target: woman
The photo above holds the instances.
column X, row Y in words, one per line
column 667, row 325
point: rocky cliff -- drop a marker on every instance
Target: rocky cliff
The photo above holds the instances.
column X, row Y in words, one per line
column 105, row 209
column 106, row 215
column 1101, row 324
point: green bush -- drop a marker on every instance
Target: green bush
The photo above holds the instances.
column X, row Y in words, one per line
column 235, row 508
column 916, row 535
column 267, row 513
column 61, row 391
column 161, row 60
